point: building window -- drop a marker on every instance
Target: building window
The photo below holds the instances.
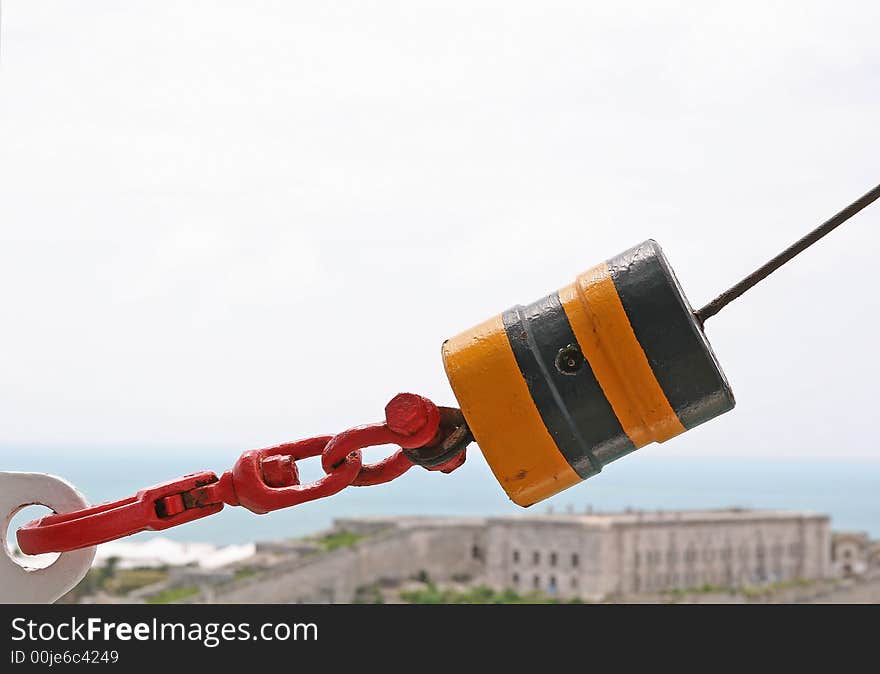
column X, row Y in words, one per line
column 574, row 582
column 551, row 587
column 476, row 553
column 552, row 559
column 516, row 556
column 536, row 582
column 575, row 560
column 516, row 579
column 536, row 557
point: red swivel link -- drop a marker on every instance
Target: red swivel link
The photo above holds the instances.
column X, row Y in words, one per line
column 257, row 494
column 262, row 480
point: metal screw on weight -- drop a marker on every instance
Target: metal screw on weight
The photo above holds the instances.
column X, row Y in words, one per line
column 569, row 359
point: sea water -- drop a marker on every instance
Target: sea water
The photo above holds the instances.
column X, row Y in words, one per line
column 847, row 491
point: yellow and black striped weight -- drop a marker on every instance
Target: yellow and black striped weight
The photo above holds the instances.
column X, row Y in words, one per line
column 555, row 390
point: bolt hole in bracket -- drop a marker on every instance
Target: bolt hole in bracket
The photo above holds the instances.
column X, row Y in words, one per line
column 20, row 583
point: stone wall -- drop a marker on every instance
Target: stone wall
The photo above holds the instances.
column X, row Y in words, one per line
column 443, row 552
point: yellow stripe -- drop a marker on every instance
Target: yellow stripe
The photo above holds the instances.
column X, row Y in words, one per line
column 606, row 337
column 499, row 409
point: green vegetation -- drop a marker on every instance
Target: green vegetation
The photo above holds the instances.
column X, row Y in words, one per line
column 750, row 592
column 123, row 582
column 705, row 588
column 173, row 594
column 480, row 594
column 116, row 582
column 339, row 539
column 708, row 588
column 245, row 572
column 759, row 592
column 369, row 594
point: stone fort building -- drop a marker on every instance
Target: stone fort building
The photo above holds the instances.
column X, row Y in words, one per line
column 629, row 553
column 566, row 555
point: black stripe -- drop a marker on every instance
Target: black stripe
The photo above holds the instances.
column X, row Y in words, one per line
column 573, row 406
column 674, row 343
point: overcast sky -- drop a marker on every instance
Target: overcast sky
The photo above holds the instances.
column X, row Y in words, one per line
column 239, row 223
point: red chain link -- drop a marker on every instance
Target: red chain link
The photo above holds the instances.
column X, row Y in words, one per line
column 262, row 480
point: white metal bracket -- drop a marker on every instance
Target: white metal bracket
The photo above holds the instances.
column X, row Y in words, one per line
column 20, row 584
